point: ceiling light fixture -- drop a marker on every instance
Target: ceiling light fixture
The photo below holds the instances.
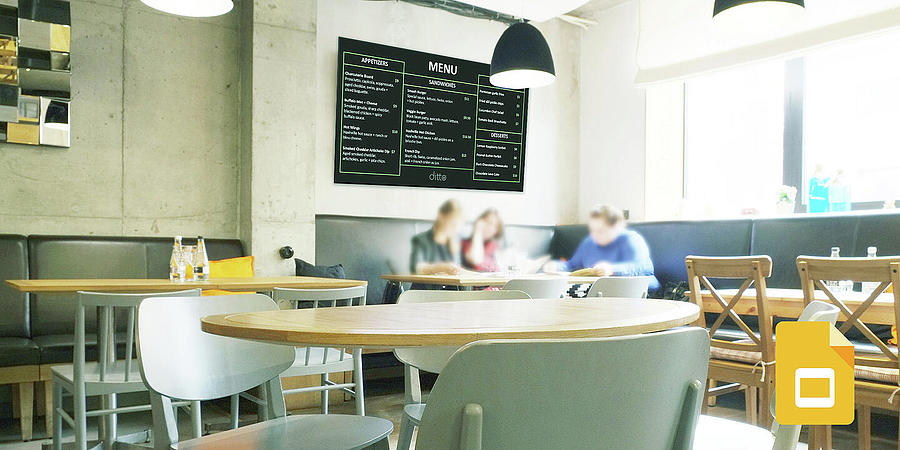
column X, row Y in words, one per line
column 192, row 8
column 722, row 5
column 522, row 59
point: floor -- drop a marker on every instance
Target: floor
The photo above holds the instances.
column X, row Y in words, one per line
column 385, row 401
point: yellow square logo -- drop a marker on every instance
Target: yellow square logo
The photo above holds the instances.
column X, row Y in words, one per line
column 814, row 377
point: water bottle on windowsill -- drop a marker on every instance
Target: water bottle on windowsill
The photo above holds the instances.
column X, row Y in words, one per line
column 869, row 286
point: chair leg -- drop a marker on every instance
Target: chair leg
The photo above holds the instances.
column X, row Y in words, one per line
column 710, row 400
column 406, row 432
column 110, row 435
column 704, row 407
column 323, row 396
column 863, row 427
column 196, row 419
column 26, row 409
column 750, row 396
column 48, row 407
column 359, row 394
column 764, row 416
column 235, row 410
column 57, row 420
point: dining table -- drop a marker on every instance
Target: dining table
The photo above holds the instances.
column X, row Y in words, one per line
column 454, row 323
column 468, row 279
column 166, row 285
column 788, row 303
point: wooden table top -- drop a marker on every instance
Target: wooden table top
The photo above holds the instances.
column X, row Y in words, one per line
column 473, row 279
column 164, row 285
column 454, row 323
column 788, row 303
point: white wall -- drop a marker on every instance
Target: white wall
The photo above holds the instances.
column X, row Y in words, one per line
column 612, row 114
column 552, row 141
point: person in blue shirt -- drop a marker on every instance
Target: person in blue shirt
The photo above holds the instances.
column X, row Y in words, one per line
column 610, row 249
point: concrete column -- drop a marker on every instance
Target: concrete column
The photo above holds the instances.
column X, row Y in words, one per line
column 278, row 86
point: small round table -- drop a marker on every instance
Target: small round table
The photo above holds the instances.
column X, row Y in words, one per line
column 454, row 323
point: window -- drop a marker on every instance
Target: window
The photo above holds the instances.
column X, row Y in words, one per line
column 734, row 140
column 843, row 100
column 852, row 118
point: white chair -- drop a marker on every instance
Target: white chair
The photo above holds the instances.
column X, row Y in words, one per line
column 180, row 361
column 621, row 287
column 431, row 359
column 713, row 433
column 322, row 360
column 107, row 376
column 545, row 401
column 539, row 287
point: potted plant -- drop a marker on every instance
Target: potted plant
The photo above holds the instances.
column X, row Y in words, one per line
column 787, row 198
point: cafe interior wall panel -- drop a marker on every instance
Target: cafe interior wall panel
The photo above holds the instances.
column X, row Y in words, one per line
column 281, row 147
column 186, row 149
column 612, row 114
column 79, row 190
column 549, row 195
column 75, row 190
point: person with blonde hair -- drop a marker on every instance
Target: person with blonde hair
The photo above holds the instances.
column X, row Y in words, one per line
column 438, row 249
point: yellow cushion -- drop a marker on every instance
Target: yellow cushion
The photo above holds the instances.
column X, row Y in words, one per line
column 241, row 267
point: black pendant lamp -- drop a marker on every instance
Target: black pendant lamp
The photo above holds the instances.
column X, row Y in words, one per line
column 722, row 5
column 522, row 59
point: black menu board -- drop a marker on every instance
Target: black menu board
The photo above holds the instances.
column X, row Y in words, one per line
column 407, row 118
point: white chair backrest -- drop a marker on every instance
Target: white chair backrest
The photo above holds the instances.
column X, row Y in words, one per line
column 320, row 298
column 181, row 361
column 819, row 311
column 787, row 436
column 542, row 287
column 621, row 287
column 109, row 322
column 433, row 359
column 644, row 391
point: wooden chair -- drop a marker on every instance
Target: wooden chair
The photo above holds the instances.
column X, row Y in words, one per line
column 431, row 359
column 180, row 361
column 746, row 364
column 877, row 374
column 545, row 401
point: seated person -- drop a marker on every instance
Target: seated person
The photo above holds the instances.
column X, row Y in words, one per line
column 437, row 250
column 480, row 250
column 610, row 249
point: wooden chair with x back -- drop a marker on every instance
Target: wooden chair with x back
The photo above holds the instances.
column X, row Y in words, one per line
column 746, row 363
column 878, row 372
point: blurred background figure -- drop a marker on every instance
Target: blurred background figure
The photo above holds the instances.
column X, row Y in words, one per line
column 610, row 249
column 480, row 250
column 438, row 249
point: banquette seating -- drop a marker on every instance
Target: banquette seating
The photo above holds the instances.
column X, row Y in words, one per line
column 37, row 330
column 370, row 247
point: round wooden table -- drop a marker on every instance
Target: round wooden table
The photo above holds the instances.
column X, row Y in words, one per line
column 454, row 323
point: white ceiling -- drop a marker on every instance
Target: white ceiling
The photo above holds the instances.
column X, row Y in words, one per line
column 535, row 10
column 591, row 8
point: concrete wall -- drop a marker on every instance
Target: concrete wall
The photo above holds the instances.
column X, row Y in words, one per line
column 278, row 144
column 552, row 149
column 154, row 131
column 612, row 114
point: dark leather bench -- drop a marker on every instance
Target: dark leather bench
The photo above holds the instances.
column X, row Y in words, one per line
column 370, row 247
column 36, row 330
column 19, row 355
